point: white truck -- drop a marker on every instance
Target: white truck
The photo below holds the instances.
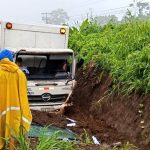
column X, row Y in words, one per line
column 45, row 54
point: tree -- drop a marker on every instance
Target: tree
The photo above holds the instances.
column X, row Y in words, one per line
column 128, row 16
column 138, row 10
column 102, row 20
column 58, row 16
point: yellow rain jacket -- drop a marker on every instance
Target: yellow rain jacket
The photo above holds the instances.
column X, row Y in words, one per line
column 15, row 115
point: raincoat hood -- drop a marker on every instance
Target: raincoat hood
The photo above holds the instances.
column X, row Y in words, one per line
column 7, row 65
column 5, row 53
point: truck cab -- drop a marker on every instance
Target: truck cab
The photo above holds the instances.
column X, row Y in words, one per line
column 45, row 59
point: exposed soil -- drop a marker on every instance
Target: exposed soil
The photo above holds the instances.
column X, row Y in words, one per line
column 110, row 117
column 46, row 119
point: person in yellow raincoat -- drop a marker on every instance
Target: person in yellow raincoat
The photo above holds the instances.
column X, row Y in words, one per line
column 15, row 114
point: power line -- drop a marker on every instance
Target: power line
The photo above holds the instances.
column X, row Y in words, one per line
column 106, row 11
column 97, row 1
column 119, row 10
column 113, row 11
column 79, row 18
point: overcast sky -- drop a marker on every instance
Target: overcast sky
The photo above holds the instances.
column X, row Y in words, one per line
column 29, row 11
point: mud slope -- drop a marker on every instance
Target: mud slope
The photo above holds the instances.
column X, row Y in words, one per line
column 111, row 118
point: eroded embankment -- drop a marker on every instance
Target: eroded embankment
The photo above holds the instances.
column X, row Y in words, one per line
column 111, row 117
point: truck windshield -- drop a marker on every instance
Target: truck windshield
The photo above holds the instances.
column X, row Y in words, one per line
column 52, row 66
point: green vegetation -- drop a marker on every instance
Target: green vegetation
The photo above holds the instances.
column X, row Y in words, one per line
column 43, row 142
column 86, row 137
column 51, row 142
column 123, row 50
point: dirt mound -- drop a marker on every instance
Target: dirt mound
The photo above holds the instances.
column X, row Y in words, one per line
column 46, row 119
column 128, row 118
column 111, row 117
column 90, row 87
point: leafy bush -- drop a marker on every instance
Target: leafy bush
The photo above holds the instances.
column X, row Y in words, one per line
column 121, row 49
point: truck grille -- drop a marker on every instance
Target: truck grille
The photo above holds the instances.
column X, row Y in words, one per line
column 54, row 98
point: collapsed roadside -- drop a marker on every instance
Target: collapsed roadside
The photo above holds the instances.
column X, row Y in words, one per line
column 111, row 116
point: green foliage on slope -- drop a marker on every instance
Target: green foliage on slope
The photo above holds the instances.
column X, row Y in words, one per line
column 122, row 49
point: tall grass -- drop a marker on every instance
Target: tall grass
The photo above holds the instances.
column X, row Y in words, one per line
column 43, row 142
column 121, row 49
column 53, row 143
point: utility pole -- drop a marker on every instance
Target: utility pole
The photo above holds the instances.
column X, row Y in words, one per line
column 91, row 13
column 45, row 17
column 135, row 8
